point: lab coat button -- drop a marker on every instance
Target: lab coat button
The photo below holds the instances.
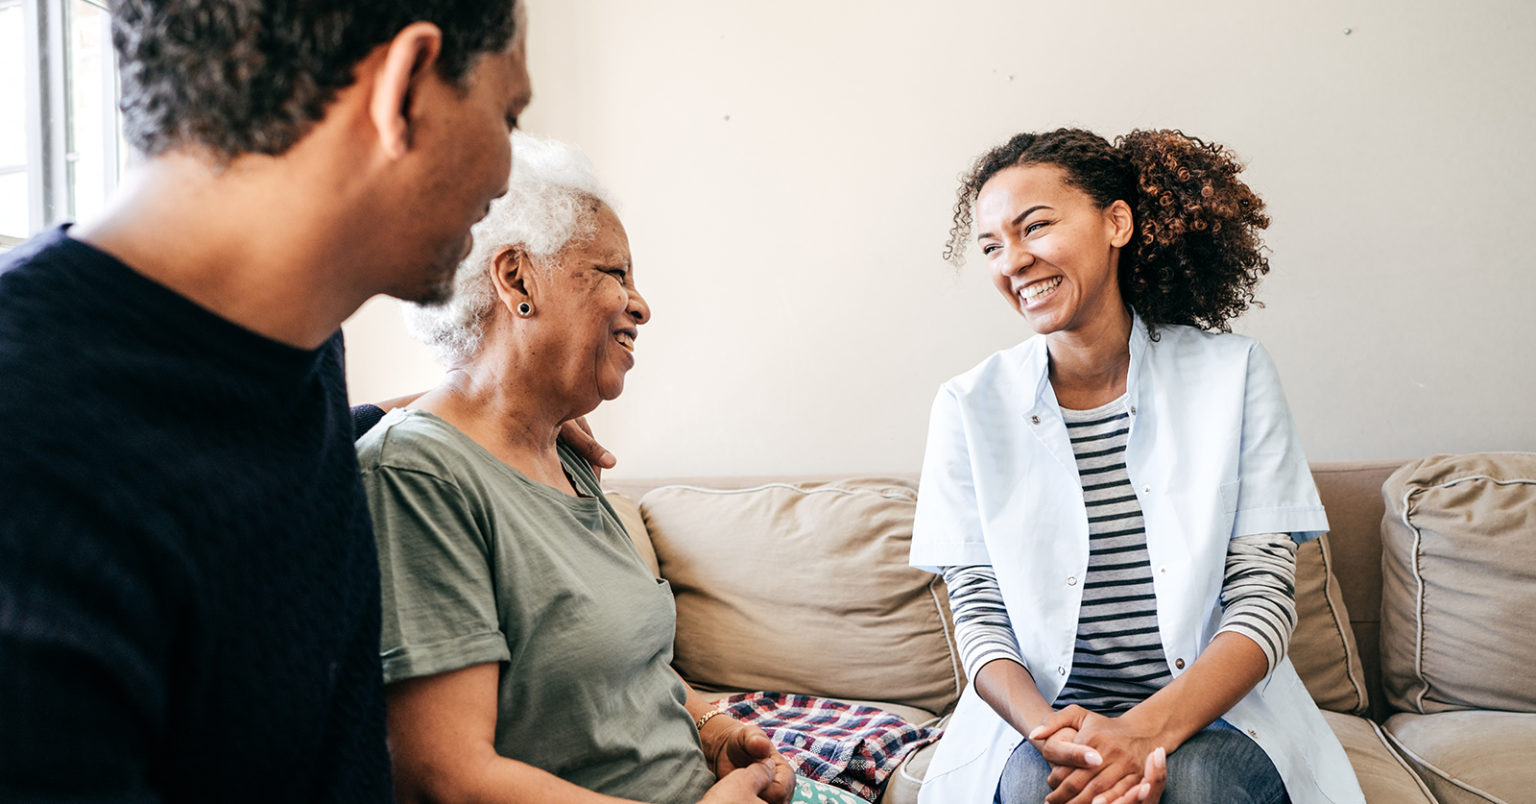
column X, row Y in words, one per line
column 1061, row 671
column 1133, row 410
column 1146, row 489
column 1034, row 420
column 1179, row 663
column 1071, row 580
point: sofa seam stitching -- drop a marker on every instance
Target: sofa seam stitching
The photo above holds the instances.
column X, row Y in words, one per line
column 1507, row 481
column 944, row 625
column 1392, row 751
column 905, row 496
column 1442, row 774
column 1361, row 698
column 1418, row 608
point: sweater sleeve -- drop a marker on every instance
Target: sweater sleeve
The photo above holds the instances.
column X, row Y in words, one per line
column 1258, row 593
column 982, row 628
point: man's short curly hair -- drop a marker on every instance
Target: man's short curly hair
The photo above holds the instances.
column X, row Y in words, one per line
column 1195, row 255
column 253, row 76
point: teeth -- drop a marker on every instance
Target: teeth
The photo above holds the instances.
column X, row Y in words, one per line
column 625, row 340
column 1039, row 289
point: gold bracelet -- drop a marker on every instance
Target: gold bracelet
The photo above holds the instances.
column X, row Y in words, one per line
column 699, row 724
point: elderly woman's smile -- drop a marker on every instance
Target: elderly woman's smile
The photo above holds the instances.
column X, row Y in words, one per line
column 590, row 288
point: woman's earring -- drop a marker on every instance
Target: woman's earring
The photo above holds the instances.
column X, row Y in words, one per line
column 525, row 309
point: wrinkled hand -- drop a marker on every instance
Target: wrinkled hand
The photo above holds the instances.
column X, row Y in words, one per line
column 742, row 786
column 730, row 745
column 577, row 434
column 1127, row 766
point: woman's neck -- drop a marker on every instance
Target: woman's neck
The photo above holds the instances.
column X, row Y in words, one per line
column 1089, row 367
column 508, row 416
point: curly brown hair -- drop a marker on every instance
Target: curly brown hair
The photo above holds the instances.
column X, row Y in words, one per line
column 1196, row 254
column 254, row 76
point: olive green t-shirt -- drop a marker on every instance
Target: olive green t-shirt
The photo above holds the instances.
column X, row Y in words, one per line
column 479, row 564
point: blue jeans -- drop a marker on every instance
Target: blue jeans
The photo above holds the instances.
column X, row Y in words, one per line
column 1219, row 763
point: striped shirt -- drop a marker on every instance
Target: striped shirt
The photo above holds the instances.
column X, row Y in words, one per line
column 1118, row 658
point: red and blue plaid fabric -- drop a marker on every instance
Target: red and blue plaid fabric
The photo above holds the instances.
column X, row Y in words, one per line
column 852, row 747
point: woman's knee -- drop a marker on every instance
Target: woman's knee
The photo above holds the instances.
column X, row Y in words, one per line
column 1222, row 764
column 1025, row 777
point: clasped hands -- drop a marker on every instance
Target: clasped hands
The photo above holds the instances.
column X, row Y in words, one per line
column 731, row 746
column 1100, row 760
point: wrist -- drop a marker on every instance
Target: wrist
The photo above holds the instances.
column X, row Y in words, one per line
column 703, row 720
column 715, row 728
column 1155, row 723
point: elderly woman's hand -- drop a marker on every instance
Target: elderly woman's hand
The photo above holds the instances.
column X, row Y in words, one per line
column 730, row 744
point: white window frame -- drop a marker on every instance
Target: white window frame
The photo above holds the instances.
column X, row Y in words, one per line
column 50, row 151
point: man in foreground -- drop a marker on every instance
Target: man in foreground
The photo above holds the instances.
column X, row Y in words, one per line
column 189, row 604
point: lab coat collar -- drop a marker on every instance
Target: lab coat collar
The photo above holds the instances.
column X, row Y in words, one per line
column 1036, row 365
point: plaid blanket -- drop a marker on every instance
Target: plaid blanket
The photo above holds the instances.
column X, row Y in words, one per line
column 852, row 747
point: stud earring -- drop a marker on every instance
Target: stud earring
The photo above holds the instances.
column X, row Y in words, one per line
column 525, row 309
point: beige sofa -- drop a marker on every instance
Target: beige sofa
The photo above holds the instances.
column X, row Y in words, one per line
column 801, row 585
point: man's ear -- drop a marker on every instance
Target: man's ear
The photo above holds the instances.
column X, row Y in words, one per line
column 512, row 277
column 1121, row 223
column 408, row 57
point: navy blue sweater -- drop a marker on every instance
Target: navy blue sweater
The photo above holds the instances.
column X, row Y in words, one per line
column 189, row 603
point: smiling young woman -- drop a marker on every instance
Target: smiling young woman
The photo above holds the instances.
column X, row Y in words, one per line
column 1115, row 504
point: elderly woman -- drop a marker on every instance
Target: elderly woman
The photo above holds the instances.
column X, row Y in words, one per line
column 526, row 647
column 1115, row 503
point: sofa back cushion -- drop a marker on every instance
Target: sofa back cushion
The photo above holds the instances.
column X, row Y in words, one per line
column 1459, row 583
column 804, row 589
column 1351, row 492
column 1323, row 646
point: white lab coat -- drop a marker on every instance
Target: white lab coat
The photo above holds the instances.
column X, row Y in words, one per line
column 1212, row 455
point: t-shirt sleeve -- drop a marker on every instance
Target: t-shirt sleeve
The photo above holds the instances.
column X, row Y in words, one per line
column 435, row 580
column 946, row 530
column 1276, row 493
column 87, row 609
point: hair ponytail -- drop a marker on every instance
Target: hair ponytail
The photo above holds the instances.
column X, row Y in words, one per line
column 1196, row 254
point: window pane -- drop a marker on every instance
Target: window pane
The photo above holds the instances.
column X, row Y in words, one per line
column 92, row 105
column 13, row 206
column 13, row 121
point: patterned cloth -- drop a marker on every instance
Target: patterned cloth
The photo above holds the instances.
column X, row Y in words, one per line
column 852, row 747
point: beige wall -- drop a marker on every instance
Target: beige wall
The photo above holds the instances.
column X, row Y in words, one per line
column 786, row 171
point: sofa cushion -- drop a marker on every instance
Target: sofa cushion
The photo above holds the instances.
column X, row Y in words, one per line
column 1470, row 756
column 1459, row 583
column 1383, row 773
column 1323, row 645
column 804, row 589
column 634, row 524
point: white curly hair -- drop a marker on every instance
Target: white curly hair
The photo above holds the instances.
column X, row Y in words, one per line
column 548, row 208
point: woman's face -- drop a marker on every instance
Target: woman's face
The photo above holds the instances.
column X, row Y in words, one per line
column 1052, row 251
column 590, row 296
